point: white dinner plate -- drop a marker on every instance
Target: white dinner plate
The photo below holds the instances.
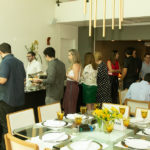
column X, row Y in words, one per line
column 85, row 145
column 54, row 123
column 137, row 143
column 54, row 137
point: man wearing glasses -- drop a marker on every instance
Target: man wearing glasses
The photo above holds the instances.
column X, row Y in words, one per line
column 33, row 65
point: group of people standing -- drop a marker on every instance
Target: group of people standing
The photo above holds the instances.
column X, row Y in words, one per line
column 94, row 76
column 99, row 80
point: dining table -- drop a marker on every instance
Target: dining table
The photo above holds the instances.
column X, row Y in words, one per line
column 108, row 141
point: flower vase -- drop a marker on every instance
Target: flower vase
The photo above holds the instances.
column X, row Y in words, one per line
column 99, row 122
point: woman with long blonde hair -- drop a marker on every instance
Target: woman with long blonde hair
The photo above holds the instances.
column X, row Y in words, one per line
column 73, row 77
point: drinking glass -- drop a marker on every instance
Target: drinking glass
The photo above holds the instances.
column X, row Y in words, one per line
column 122, row 110
column 78, row 121
column 83, row 109
column 109, row 126
column 126, row 121
column 60, row 115
column 144, row 113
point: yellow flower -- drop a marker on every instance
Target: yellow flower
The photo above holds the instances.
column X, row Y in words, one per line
column 120, row 116
column 103, row 116
column 105, row 110
column 114, row 109
column 36, row 42
column 114, row 115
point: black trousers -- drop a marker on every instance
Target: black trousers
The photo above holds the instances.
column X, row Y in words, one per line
column 114, row 88
column 5, row 109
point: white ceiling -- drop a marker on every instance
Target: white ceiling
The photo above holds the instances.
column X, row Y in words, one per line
column 126, row 22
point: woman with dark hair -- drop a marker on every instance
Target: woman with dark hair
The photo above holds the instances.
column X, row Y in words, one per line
column 113, row 71
column 89, row 81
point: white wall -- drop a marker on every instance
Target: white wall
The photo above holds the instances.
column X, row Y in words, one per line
column 73, row 11
column 23, row 21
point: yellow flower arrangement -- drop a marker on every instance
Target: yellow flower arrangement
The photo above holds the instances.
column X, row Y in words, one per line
column 107, row 114
column 34, row 48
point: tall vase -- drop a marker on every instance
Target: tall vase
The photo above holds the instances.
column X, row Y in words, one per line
column 99, row 122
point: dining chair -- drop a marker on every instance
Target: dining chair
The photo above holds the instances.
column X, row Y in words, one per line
column 122, row 94
column 20, row 119
column 133, row 104
column 138, row 113
column 13, row 143
column 117, row 106
column 48, row 112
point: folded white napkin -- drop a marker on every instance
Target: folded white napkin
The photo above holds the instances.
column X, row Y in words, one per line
column 54, row 137
column 42, row 145
column 72, row 116
column 54, row 123
column 137, row 143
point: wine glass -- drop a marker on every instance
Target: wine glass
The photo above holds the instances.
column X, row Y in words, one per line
column 78, row 121
column 122, row 110
column 126, row 121
column 60, row 115
column 144, row 113
column 109, row 126
column 83, row 109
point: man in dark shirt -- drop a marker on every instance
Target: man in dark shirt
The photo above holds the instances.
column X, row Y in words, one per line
column 138, row 61
column 130, row 70
column 12, row 75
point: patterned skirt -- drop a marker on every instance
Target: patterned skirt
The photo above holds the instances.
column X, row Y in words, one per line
column 71, row 97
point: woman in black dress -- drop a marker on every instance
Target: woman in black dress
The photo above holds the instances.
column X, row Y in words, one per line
column 103, row 81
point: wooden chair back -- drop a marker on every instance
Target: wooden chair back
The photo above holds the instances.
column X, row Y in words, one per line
column 13, row 143
column 133, row 104
column 122, row 94
column 20, row 119
column 48, row 112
